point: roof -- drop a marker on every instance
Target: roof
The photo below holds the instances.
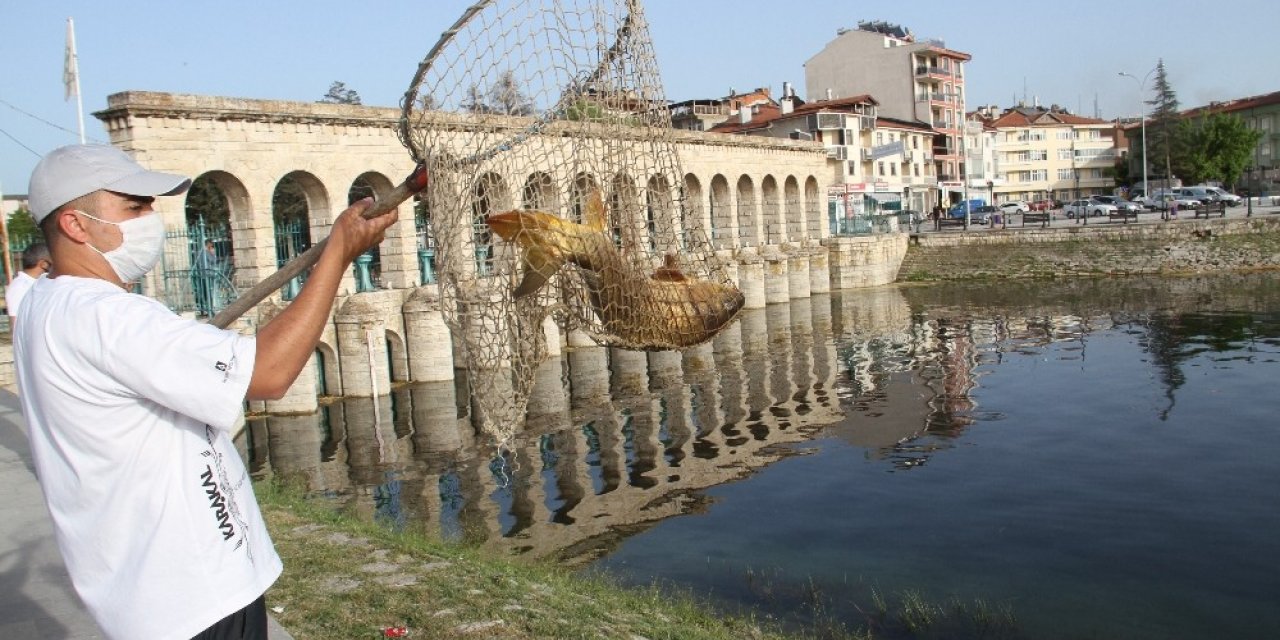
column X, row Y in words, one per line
column 1239, row 104
column 1038, row 117
column 766, row 114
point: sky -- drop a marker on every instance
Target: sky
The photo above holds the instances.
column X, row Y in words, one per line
column 1061, row 53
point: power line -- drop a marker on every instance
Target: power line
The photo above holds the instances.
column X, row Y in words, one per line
column 19, row 143
column 41, row 120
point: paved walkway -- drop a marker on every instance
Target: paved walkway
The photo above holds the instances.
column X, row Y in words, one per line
column 37, row 601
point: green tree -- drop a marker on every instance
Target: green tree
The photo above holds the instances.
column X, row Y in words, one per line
column 1217, row 147
column 340, row 94
column 1163, row 129
column 23, row 229
column 205, row 200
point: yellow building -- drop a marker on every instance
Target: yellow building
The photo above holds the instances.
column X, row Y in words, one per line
column 1047, row 153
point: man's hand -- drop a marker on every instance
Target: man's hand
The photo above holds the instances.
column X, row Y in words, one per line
column 353, row 234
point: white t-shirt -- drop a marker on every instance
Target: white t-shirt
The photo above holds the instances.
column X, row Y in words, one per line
column 16, row 291
column 129, row 408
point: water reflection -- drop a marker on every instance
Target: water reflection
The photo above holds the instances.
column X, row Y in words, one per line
column 617, row 441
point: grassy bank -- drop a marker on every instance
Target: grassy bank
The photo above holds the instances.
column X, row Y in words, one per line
column 345, row 578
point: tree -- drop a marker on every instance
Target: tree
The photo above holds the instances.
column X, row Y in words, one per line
column 474, row 102
column 1164, row 121
column 340, row 94
column 23, row 229
column 205, row 201
column 507, row 98
column 1215, row 147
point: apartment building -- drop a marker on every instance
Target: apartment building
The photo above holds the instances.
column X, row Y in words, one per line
column 1048, row 153
column 913, row 80
column 878, row 163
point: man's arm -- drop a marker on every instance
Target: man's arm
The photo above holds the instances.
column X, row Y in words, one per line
column 286, row 342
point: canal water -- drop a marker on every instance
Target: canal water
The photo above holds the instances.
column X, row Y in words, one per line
column 1079, row 459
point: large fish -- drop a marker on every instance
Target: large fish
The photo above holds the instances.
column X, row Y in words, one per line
column 659, row 311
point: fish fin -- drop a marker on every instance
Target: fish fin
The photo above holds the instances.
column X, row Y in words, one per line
column 540, row 263
column 593, row 214
column 670, row 270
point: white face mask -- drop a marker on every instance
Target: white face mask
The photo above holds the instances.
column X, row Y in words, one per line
column 142, row 242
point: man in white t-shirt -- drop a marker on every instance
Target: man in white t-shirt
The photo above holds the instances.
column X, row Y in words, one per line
column 35, row 263
column 130, row 406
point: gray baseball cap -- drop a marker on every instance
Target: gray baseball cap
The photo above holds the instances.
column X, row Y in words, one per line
column 69, row 172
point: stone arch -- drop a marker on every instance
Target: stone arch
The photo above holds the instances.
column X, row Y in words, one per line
column 661, row 220
column 540, row 193
column 775, row 231
column 625, row 215
column 201, row 262
column 328, row 371
column 490, row 194
column 583, row 185
column 298, row 204
column 721, row 213
column 747, row 217
column 397, row 356
column 375, row 185
column 695, row 218
column 794, row 210
column 814, row 210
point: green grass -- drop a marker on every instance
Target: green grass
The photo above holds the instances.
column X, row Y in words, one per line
column 345, row 578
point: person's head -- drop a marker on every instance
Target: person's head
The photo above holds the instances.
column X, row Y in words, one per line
column 36, row 258
column 94, row 204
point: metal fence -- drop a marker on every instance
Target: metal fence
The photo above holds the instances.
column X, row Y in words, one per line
column 197, row 269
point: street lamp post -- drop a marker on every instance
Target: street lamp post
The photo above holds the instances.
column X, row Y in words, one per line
column 1142, row 113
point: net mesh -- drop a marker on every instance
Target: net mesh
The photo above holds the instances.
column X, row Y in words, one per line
column 556, row 195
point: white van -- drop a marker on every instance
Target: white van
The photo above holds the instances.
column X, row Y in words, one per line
column 1203, row 194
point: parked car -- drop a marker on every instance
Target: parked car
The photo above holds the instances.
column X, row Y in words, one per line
column 958, row 209
column 1199, row 194
column 982, row 215
column 1118, row 203
column 1015, row 206
column 1165, row 200
column 1085, row 207
column 1231, row 199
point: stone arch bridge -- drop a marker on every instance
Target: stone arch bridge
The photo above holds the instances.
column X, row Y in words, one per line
column 762, row 200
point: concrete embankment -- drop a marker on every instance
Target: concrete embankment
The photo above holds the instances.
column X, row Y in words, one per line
column 1100, row 248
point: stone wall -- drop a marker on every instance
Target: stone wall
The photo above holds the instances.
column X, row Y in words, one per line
column 1190, row 246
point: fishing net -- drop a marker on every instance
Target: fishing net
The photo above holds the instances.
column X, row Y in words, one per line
column 554, row 109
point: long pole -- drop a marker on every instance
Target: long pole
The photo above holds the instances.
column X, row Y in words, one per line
column 4, row 237
column 1142, row 111
column 72, row 75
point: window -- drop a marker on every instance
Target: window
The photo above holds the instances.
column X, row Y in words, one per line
column 1064, row 154
column 880, row 167
column 1039, row 174
column 1038, row 154
column 893, row 169
column 1066, row 174
column 879, row 138
column 1064, row 134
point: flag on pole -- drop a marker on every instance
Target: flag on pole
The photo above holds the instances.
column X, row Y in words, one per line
column 70, row 67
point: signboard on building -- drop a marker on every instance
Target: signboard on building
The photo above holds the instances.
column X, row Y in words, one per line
column 888, row 149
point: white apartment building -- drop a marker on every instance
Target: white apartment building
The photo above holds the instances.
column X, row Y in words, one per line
column 912, row 80
column 878, row 163
column 1046, row 153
